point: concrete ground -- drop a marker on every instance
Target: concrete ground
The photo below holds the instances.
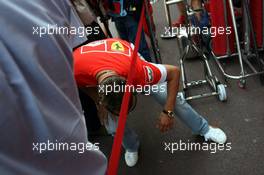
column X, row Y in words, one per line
column 241, row 117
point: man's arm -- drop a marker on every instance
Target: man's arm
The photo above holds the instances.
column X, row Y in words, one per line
column 101, row 111
column 173, row 77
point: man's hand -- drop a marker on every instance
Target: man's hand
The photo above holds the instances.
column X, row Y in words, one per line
column 165, row 122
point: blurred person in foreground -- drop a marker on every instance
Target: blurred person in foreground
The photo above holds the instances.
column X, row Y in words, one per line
column 39, row 102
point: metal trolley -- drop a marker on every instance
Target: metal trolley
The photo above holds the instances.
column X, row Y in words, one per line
column 195, row 45
column 247, row 57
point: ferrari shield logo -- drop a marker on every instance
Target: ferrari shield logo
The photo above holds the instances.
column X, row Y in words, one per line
column 117, row 46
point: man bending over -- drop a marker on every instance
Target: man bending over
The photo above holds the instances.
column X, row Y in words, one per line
column 106, row 63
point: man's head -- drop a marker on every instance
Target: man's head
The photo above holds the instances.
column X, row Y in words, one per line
column 112, row 94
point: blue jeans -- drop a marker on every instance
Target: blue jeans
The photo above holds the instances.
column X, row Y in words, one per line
column 127, row 27
column 182, row 109
column 130, row 139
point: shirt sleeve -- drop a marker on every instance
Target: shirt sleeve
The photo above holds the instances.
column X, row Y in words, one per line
column 154, row 73
column 163, row 72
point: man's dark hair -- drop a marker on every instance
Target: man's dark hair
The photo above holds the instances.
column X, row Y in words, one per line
column 113, row 100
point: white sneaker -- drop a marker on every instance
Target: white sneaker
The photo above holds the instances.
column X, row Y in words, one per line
column 216, row 135
column 131, row 158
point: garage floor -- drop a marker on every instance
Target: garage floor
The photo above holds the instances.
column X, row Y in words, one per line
column 241, row 117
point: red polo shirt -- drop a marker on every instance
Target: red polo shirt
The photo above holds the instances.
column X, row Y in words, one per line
column 113, row 54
